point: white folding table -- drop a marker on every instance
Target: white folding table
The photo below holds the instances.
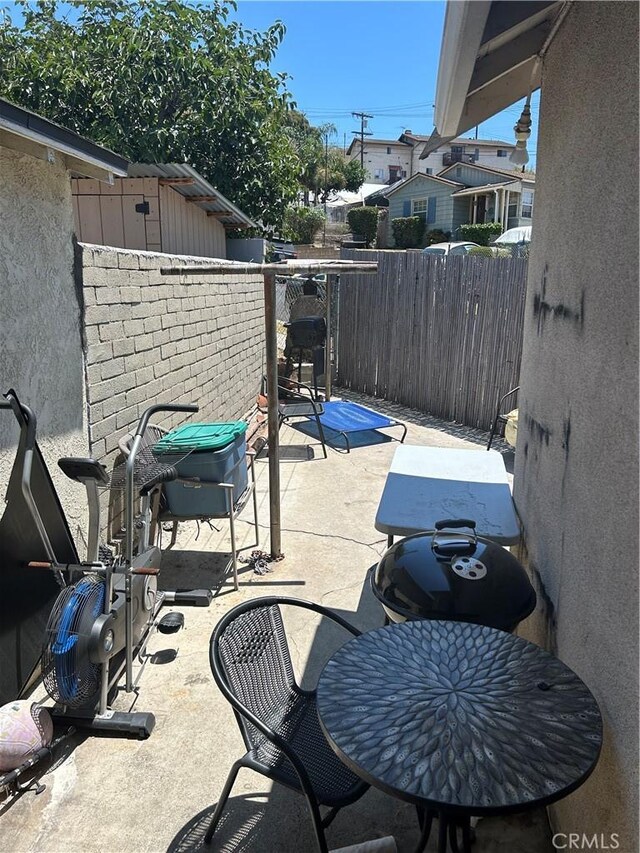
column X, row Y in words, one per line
column 429, row 484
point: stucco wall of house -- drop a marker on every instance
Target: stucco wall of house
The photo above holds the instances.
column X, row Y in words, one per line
column 576, row 478
column 40, row 338
column 152, row 338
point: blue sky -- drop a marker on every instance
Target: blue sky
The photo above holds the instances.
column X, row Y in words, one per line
column 374, row 56
column 367, row 56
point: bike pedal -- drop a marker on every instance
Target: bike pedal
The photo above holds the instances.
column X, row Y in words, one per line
column 171, row 622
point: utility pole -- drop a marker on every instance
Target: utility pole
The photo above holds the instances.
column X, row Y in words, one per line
column 362, row 133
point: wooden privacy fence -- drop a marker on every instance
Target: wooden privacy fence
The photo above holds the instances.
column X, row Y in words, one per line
column 442, row 335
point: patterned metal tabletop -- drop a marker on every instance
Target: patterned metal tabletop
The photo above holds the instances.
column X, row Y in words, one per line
column 459, row 717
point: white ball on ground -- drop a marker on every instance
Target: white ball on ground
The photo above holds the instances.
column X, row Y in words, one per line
column 25, row 727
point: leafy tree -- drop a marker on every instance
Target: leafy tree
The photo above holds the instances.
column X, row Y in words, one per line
column 164, row 81
column 338, row 173
column 303, row 223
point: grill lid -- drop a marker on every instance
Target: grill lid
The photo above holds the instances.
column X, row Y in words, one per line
column 453, row 575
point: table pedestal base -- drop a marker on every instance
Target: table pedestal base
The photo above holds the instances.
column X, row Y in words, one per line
column 448, row 827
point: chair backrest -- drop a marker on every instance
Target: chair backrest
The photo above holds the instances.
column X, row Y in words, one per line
column 254, row 655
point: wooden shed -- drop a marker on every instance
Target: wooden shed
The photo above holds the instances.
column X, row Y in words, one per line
column 159, row 207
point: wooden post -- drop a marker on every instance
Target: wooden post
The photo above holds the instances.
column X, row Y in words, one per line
column 271, row 348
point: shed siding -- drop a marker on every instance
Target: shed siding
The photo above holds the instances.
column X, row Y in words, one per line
column 423, row 188
column 187, row 230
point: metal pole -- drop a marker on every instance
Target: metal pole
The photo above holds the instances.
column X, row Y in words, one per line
column 327, row 347
column 271, row 341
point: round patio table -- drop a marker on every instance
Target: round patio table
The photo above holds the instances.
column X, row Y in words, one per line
column 460, row 720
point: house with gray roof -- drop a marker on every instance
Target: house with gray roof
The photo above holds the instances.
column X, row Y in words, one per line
column 461, row 193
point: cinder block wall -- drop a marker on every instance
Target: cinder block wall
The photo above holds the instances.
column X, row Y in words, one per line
column 151, row 338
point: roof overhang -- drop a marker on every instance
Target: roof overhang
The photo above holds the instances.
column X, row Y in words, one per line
column 486, row 188
column 489, row 60
column 185, row 180
column 31, row 134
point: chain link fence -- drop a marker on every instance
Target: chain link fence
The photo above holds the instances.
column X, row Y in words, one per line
column 302, row 296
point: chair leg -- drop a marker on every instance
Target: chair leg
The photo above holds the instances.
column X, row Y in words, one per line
column 317, row 824
column 234, row 555
column 321, row 434
column 231, row 778
column 494, row 426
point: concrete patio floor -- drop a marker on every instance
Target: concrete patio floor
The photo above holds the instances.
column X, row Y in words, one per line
column 111, row 795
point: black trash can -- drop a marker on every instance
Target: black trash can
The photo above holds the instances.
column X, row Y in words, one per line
column 454, row 575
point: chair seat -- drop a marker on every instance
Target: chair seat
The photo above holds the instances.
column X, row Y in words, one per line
column 333, row 783
column 300, row 410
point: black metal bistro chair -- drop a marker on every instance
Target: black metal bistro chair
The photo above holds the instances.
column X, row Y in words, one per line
column 501, row 415
column 251, row 665
column 292, row 404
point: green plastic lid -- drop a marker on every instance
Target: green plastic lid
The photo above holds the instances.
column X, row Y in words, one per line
column 194, row 437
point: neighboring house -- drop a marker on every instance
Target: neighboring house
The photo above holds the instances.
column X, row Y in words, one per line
column 388, row 161
column 159, row 207
column 576, row 466
column 462, row 193
column 342, row 201
column 483, row 152
column 40, row 323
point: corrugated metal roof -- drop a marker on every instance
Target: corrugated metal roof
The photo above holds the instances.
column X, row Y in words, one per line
column 233, row 216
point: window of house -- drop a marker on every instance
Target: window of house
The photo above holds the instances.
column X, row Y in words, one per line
column 476, row 154
column 425, row 208
column 388, row 149
column 457, row 149
column 513, row 206
column 419, row 208
column 404, row 174
column 379, row 174
column 527, row 204
column 428, row 171
column 502, row 152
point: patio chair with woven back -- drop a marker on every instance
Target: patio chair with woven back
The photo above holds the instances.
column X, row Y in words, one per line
column 501, row 415
column 252, row 666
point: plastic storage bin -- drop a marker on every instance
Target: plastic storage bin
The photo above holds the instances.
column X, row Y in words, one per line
column 216, row 454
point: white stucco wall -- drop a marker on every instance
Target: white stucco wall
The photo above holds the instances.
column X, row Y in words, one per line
column 40, row 343
column 576, row 479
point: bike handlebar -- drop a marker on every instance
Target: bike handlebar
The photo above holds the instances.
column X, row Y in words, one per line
column 161, row 407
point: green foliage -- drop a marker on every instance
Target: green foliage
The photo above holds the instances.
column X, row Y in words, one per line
column 436, row 235
column 302, row 223
column 407, row 231
column 485, row 251
column 364, row 221
column 162, row 81
column 481, row 233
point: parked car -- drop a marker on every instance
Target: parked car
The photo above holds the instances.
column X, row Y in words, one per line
column 514, row 236
column 449, row 249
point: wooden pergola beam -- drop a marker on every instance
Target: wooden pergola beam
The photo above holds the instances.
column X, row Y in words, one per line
column 168, row 182
column 198, row 199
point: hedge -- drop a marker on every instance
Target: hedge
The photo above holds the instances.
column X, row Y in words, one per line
column 480, row 233
column 364, row 221
column 407, row 231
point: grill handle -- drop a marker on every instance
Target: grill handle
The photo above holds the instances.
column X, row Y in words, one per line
column 446, row 545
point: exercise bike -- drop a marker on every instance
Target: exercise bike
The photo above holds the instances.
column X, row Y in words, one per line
column 103, row 616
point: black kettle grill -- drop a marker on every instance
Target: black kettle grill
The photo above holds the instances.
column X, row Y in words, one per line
column 453, row 575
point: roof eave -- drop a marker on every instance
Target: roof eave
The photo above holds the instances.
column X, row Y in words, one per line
column 478, row 79
column 25, row 131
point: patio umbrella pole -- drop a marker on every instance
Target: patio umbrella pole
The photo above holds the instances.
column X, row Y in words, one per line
column 271, row 346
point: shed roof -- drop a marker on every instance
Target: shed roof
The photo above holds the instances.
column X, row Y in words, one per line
column 385, row 192
column 27, row 131
column 191, row 184
column 493, row 143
